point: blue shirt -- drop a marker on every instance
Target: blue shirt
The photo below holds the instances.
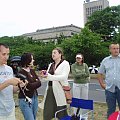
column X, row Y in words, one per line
column 6, row 95
column 110, row 67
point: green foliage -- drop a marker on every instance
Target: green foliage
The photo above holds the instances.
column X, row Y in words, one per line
column 87, row 43
column 60, row 38
column 105, row 22
column 19, row 45
column 116, row 37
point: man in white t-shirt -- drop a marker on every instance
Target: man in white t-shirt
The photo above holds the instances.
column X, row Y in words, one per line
column 8, row 84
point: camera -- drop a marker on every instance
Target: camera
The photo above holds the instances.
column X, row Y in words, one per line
column 27, row 99
column 44, row 72
column 21, row 76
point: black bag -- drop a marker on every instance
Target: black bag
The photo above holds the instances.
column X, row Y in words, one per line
column 76, row 116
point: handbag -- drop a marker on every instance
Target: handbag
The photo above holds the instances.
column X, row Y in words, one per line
column 68, row 95
column 76, row 116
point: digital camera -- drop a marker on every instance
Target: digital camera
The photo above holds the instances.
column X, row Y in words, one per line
column 21, row 76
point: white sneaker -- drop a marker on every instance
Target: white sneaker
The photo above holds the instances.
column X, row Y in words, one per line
column 85, row 118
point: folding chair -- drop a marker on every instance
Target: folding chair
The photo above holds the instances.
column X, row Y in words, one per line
column 79, row 103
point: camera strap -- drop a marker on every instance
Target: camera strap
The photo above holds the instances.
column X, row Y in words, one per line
column 27, row 99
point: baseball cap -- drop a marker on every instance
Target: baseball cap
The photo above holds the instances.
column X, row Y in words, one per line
column 78, row 56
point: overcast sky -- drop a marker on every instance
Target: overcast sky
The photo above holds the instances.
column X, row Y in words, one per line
column 23, row 16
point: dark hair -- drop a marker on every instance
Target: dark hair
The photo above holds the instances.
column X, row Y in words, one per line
column 60, row 51
column 82, row 57
column 2, row 44
column 26, row 59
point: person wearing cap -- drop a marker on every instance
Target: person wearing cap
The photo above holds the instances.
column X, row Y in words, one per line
column 80, row 73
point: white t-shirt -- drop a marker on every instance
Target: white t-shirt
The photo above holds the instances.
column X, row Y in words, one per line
column 6, row 95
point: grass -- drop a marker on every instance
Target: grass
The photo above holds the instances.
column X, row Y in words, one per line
column 100, row 110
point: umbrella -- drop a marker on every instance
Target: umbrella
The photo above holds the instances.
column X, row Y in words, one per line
column 93, row 69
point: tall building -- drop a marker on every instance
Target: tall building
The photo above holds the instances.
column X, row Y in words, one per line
column 90, row 7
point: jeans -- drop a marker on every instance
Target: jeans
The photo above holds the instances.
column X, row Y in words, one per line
column 111, row 99
column 29, row 110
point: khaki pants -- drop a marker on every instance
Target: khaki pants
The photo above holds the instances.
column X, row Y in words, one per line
column 81, row 91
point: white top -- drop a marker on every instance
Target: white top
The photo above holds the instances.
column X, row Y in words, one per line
column 60, row 76
column 6, row 95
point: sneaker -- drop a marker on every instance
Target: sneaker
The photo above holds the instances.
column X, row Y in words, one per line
column 83, row 118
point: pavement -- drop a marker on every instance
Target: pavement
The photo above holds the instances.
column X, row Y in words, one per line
column 96, row 93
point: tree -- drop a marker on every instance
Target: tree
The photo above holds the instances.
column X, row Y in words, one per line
column 87, row 43
column 18, row 45
column 105, row 22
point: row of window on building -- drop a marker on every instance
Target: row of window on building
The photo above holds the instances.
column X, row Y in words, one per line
column 90, row 10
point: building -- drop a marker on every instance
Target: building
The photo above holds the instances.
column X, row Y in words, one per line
column 54, row 33
column 90, row 7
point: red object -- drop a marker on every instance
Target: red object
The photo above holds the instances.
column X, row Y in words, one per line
column 114, row 116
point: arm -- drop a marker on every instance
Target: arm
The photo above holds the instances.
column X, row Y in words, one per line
column 87, row 73
column 34, row 85
column 22, row 84
column 79, row 74
column 101, row 74
column 62, row 76
column 74, row 73
column 101, row 80
column 12, row 81
column 15, row 89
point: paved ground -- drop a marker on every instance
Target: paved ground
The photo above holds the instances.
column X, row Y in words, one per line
column 95, row 91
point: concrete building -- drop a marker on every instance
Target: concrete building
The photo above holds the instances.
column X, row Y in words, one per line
column 54, row 33
column 90, row 7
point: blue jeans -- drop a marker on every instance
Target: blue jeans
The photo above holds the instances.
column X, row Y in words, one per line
column 29, row 110
column 111, row 99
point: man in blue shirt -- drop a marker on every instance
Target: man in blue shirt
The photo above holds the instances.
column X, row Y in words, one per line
column 110, row 70
column 7, row 86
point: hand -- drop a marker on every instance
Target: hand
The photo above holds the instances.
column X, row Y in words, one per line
column 22, row 84
column 14, row 81
column 43, row 73
column 103, row 85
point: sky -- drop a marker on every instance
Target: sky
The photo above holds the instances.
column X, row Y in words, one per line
column 18, row 17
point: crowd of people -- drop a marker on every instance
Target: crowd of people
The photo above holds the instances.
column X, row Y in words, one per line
column 27, row 82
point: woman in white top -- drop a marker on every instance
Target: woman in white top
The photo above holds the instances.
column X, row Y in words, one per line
column 57, row 75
